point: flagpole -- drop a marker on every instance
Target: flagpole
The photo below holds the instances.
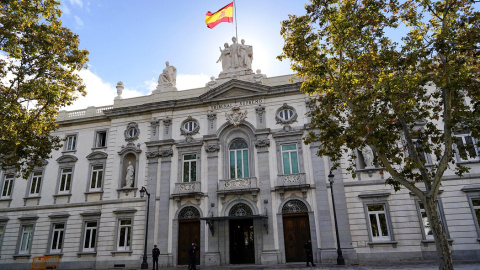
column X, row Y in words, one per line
column 236, row 30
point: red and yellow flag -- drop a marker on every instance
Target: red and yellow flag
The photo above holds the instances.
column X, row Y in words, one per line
column 224, row 14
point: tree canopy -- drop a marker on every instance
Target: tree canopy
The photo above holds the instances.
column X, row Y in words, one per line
column 402, row 77
column 39, row 61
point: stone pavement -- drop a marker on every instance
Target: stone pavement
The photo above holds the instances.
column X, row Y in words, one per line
column 413, row 266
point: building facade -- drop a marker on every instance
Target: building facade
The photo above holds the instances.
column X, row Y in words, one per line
column 226, row 167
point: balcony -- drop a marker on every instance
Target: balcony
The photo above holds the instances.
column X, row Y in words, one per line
column 238, row 186
column 291, row 181
column 187, row 189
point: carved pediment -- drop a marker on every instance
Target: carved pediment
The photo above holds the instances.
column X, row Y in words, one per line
column 67, row 159
column 235, row 88
column 97, row 155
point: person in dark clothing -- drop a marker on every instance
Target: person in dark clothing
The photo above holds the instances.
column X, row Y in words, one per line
column 308, row 250
column 155, row 254
column 192, row 257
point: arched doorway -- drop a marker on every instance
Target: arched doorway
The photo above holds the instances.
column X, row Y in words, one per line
column 188, row 233
column 242, row 245
column 296, row 230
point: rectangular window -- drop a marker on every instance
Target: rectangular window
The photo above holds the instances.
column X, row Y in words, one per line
column 26, row 239
column 124, row 234
column 476, row 210
column 71, row 143
column 289, row 158
column 424, row 157
column 65, row 180
column 2, row 232
column 36, row 183
column 239, row 164
column 467, row 149
column 101, row 139
column 427, row 229
column 7, row 186
column 97, row 177
column 58, row 232
column 90, row 236
column 378, row 222
column 190, row 168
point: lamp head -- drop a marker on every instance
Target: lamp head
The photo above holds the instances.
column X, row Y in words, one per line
column 330, row 177
column 142, row 192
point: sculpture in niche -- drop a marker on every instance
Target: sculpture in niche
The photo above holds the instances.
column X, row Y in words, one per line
column 129, row 176
column 168, row 76
column 236, row 117
column 367, row 154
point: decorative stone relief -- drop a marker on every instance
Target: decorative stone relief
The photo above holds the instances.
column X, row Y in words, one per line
column 245, row 182
column 211, row 116
column 291, row 178
column 236, row 117
column 211, row 148
column 154, row 126
column 152, row 154
column 187, row 187
column 165, row 153
column 260, row 110
column 167, row 122
column 262, row 143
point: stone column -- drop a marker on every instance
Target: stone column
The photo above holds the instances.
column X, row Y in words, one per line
column 151, row 186
column 154, row 123
column 269, row 255
column 328, row 250
column 212, row 255
column 212, row 122
column 167, row 128
column 166, row 153
column 260, row 111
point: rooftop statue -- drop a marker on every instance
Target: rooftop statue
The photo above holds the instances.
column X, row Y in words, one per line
column 236, row 59
column 168, row 76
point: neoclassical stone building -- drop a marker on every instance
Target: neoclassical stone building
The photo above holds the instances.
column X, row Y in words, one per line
column 226, row 168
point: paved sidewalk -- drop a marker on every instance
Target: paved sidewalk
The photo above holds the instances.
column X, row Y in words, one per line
column 301, row 266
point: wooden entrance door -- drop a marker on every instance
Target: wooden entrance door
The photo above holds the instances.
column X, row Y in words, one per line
column 296, row 232
column 188, row 233
column 242, row 245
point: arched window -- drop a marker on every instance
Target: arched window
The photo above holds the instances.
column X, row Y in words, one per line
column 189, row 212
column 238, row 159
column 294, row 206
column 240, row 210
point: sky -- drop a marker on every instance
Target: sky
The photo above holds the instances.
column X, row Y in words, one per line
column 130, row 41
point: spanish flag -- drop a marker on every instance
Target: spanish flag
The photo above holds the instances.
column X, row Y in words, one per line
column 224, row 14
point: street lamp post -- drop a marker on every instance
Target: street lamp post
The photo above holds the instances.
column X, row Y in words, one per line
column 340, row 259
column 142, row 194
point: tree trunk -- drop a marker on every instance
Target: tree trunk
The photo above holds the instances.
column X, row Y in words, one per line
column 444, row 254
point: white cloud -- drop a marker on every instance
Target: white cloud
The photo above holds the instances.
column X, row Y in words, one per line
column 78, row 21
column 187, row 81
column 151, row 84
column 76, row 2
column 65, row 9
column 99, row 93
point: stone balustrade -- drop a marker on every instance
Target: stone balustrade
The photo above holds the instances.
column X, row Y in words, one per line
column 88, row 112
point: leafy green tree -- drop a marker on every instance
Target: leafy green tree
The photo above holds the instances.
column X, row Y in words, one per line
column 402, row 97
column 39, row 61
